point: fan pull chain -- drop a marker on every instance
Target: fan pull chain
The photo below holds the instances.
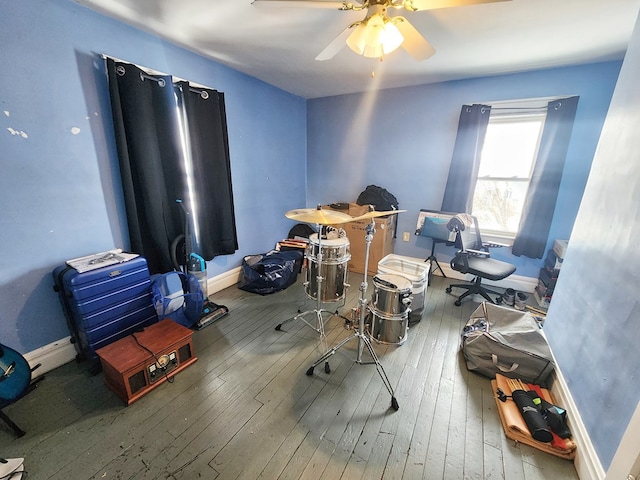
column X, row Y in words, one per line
column 373, row 68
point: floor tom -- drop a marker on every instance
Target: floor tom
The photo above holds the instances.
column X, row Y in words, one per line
column 389, row 329
column 391, row 294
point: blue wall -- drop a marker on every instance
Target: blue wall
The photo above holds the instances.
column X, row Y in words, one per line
column 593, row 320
column 402, row 139
column 60, row 192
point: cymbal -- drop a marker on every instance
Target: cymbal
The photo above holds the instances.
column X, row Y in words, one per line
column 321, row 217
column 376, row 214
column 332, row 217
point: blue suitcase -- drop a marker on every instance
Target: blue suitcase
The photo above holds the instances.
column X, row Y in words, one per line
column 105, row 304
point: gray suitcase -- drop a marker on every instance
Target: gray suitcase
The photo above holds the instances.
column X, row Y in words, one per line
column 502, row 340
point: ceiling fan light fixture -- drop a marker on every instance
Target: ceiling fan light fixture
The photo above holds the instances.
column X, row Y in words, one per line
column 375, row 37
column 391, row 38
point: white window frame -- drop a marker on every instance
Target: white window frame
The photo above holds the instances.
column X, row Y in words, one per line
column 514, row 111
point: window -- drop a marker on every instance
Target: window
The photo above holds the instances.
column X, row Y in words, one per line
column 506, row 164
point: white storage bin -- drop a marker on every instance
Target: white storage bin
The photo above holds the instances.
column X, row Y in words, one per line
column 414, row 269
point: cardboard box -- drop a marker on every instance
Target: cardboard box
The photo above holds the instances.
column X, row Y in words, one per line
column 381, row 245
column 356, row 210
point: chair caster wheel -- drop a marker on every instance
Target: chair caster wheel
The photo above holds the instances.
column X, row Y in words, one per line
column 327, row 368
column 279, row 327
column 457, row 303
column 394, row 403
column 448, row 289
column 310, row 371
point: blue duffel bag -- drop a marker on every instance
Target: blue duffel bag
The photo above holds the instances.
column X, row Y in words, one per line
column 269, row 272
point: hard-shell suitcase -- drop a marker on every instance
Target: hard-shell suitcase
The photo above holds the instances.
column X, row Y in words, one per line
column 105, row 304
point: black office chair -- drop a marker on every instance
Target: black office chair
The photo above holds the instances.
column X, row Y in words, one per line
column 474, row 258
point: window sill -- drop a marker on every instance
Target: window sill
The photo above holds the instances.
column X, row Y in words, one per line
column 497, row 238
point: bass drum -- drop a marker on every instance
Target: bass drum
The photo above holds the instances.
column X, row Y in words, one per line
column 391, row 294
column 335, row 255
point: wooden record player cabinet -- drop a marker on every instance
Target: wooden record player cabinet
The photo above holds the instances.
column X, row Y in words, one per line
column 135, row 365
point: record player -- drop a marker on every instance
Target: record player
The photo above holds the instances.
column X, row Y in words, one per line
column 135, row 365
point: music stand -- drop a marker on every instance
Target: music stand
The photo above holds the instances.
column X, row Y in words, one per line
column 433, row 224
column 359, row 332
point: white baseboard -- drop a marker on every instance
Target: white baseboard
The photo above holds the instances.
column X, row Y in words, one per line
column 587, row 462
column 62, row 351
column 224, row 280
column 626, row 461
column 51, row 356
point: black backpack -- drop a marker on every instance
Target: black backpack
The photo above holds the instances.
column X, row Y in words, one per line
column 380, row 198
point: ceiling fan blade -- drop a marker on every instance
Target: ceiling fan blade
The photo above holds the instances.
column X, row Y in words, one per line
column 336, row 44
column 414, row 43
column 306, row 4
column 434, row 4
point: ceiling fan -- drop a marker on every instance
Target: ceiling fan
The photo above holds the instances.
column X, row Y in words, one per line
column 378, row 33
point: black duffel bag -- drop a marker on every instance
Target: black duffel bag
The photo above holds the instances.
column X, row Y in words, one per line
column 270, row 272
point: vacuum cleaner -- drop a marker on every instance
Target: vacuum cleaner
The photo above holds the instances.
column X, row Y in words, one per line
column 197, row 266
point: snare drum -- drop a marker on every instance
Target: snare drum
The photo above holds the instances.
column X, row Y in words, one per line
column 336, row 250
column 391, row 294
column 335, row 255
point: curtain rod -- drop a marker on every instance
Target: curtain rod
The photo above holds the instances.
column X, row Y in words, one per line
column 526, row 104
column 519, row 108
column 160, row 81
column 557, row 105
column 149, row 72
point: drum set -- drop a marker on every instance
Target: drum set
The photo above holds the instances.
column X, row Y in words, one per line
column 326, row 282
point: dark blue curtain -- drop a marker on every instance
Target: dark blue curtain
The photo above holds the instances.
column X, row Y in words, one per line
column 465, row 163
column 540, row 202
column 210, row 190
column 172, row 144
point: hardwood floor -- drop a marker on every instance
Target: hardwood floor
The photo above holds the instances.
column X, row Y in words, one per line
column 246, row 409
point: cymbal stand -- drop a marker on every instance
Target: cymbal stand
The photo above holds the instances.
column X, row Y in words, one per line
column 318, row 311
column 359, row 332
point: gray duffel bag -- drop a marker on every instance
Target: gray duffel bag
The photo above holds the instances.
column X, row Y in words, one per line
column 501, row 340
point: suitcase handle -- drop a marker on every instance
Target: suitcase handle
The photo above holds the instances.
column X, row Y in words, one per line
column 513, row 367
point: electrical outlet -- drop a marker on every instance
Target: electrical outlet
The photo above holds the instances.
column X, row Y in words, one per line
column 406, row 236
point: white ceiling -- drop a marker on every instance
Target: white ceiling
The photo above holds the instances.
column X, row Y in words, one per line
column 279, row 44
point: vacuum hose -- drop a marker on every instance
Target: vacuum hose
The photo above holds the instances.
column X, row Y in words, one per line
column 174, row 252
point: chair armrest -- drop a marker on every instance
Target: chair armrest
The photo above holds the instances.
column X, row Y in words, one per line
column 494, row 245
column 476, row 253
